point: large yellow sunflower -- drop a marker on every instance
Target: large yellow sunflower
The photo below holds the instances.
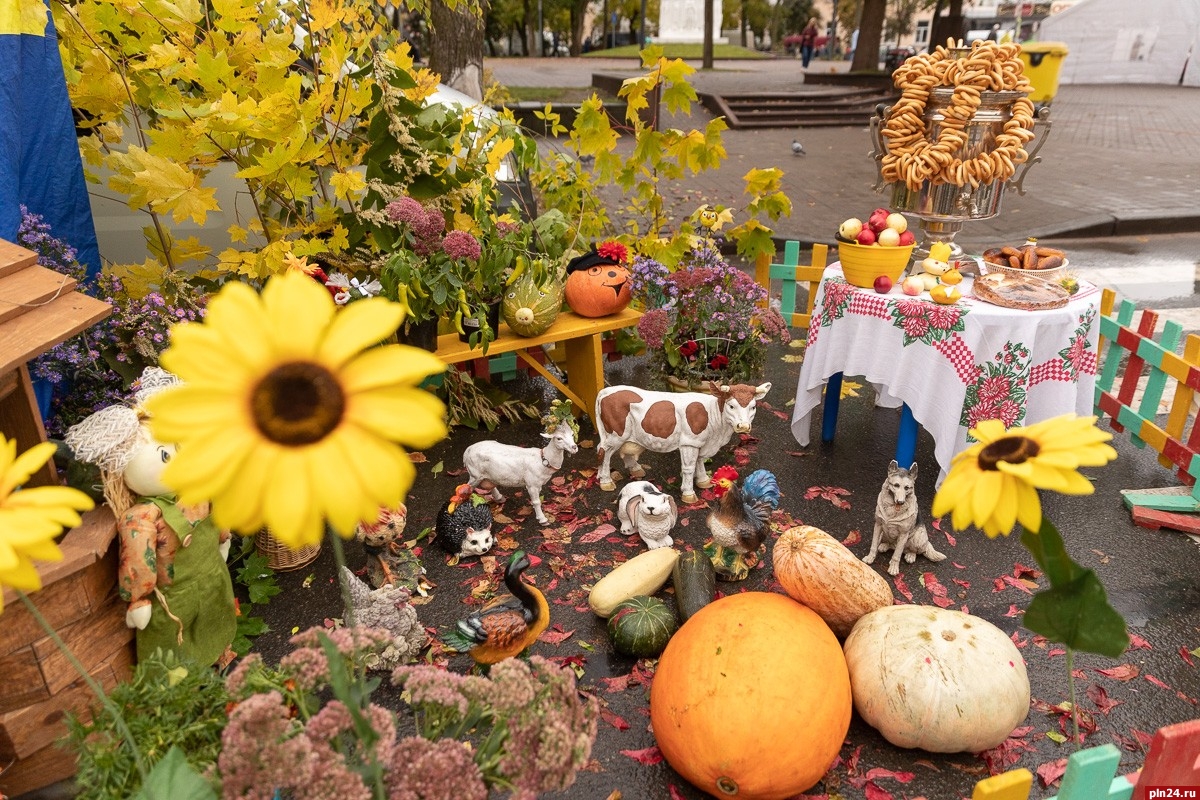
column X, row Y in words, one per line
column 31, row 518
column 993, row 484
column 289, row 415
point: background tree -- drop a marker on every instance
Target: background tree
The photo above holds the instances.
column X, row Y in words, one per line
column 899, row 23
column 504, row 23
column 951, row 25
column 870, row 34
column 456, row 47
column 792, row 15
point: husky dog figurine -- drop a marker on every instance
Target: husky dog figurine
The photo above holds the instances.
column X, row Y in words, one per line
column 897, row 527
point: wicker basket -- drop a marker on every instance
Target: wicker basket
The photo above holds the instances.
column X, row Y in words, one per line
column 1054, row 274
column 282, row 558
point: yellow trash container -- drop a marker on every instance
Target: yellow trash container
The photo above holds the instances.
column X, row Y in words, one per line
column 1043, row 60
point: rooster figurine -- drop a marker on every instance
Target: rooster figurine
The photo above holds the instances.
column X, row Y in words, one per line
column 739, row 523
column 507, row 625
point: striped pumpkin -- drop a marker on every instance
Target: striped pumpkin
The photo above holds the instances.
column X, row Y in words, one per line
column 641, row 626
column 819, row 571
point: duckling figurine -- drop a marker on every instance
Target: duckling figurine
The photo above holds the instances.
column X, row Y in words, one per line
column 507, row 625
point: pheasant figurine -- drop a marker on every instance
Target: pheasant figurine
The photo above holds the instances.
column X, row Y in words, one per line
column 507, row 625
column 739, row 524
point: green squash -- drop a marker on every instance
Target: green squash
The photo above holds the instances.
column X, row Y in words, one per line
column 695, row 582
column 529, row 307
column 641, row 626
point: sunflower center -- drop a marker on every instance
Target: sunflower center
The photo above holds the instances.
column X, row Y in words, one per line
column 298, row 403
column 1013, row 449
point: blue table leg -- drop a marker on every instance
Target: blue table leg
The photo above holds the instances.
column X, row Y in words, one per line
column 906, row 441
column 833, row 398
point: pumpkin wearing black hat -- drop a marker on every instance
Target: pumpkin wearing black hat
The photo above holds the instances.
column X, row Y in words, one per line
column 598, row 281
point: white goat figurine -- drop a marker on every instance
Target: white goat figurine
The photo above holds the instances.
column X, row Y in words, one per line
column 491, row 464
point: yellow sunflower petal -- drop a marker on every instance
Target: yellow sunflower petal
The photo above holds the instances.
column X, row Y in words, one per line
column 987, row 492
column 1076, row 484
column 24, row 466
column 1005, row 514
column 330, row 470
column 386, row 469
column 288, row 509
column 391, row 365
column 23, row 576
column 988, row 431
column 358, row 326
column 1035, row 473
column 1029, row 507
column 240, row 507
column 207, row 465
column 412, row 417
column 197, row 354
column 176, row 415
column 46, row 496
column 298, row 309
column 236, row 315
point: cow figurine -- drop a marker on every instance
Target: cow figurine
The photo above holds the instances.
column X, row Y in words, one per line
column 632, row 420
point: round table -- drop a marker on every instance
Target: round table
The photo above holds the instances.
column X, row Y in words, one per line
column 952, row 365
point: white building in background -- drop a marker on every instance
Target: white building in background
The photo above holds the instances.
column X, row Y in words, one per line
column 1159, row 44
column 682, row 22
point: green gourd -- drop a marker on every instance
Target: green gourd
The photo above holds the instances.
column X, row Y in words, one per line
column 695, row 582
column 641, row 626
column 530, row 307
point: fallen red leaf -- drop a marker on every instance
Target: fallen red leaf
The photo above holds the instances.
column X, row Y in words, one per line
column 1186, row 655
column 1156, row 681
column 616, row 720
column 936, row 590
column 1138, row 643
column 649, row 756
column 852, row 538
column 902, row 587
column 873, row 792
column 1099, row 696
column 617, row 684
column 674, row 792
column 1051, row 772
column 1121, row 672
column 1013, row 611
column 555, row 635
column 597, row 535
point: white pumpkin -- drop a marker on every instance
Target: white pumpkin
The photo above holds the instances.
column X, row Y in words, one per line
column 936, row 679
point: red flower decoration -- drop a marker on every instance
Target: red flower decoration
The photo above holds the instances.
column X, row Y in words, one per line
column 719, row 361
column 689, row 349
column 614, row 250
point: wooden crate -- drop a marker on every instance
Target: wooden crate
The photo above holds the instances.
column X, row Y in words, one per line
column 40, row 308
column 80, row 601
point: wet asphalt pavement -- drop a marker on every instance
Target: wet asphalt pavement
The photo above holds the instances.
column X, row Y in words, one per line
column 1150, row 577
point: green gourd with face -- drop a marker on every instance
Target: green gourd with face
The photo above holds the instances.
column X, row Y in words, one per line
column 531, row 306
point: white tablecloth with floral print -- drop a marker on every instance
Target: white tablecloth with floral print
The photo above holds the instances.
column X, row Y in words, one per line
column 954, row 365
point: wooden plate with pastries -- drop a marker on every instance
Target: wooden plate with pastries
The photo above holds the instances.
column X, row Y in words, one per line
column 1024, row 292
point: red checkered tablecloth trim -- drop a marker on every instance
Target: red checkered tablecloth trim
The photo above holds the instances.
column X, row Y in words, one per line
column 869, row 305
column 960, row 356
column 1089, row 365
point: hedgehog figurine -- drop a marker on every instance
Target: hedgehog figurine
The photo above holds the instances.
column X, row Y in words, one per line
column 464, row 525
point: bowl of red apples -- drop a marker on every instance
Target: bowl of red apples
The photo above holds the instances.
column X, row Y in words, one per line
column 874, row 253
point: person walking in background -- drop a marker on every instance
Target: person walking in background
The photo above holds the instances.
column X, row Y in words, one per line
column 994, row 33
column 808, row 41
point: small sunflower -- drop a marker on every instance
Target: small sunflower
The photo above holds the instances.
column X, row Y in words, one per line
column 993, row 484
column 289, row 415
column 31, row 518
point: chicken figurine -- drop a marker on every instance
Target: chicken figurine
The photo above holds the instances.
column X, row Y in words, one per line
column 507, row 625
column 739, row 524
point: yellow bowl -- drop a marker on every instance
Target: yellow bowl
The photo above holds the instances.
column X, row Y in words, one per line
column 862, row 264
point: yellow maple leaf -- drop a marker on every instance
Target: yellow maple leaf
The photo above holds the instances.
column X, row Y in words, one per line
column 347, row 183
column 496, row 154
column 23, row 16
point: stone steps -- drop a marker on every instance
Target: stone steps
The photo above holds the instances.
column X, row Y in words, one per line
column 792, row 109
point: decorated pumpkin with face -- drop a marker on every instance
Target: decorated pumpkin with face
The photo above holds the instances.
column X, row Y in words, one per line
column 598, row 282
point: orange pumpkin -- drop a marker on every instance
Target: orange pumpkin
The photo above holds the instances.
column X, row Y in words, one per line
column 597, row 286
column 751, row 698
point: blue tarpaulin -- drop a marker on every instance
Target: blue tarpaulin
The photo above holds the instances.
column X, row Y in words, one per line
column 40, row 165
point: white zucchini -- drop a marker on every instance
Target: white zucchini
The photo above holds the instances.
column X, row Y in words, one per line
column 645, row 574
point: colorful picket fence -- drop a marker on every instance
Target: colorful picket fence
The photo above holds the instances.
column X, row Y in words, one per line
column 1178, row 444
column 1173, row 762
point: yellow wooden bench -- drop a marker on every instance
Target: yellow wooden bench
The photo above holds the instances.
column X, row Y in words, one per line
column 580, row 337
